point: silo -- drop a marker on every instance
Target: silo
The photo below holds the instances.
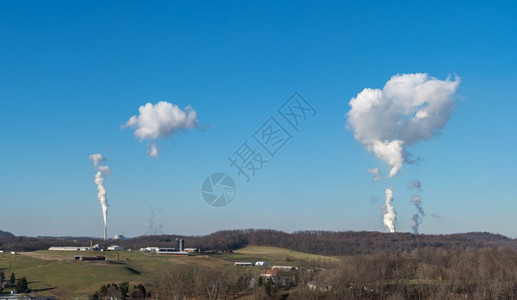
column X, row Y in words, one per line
column 182, row 245
column 177, row 245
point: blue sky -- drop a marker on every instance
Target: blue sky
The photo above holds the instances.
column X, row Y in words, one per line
column 72, row 73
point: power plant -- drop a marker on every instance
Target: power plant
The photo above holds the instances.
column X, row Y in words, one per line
column 99, row 181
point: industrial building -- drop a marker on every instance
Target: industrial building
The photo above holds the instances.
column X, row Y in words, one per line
column 67, row 248
column 119, row 237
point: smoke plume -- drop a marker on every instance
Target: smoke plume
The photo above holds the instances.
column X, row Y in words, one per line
column 375, row 173
column 389, row 216
column 154, row 229
column 415, row 185
column 416, row 220
column 161, row 120
column 418, row 204
column 410, row 108
column 99, row 181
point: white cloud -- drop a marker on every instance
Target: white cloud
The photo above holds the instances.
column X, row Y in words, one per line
column 410, row 108
column 161, row 120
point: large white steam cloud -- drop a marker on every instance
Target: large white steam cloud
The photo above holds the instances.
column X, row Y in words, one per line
column 389, row 214
column 161, row 120
column 410, row 108
column 99, row 181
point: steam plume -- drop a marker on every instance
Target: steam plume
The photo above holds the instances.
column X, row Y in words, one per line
column 99, row 181
column 375, row 173
column 389, row 214
column 410, row 108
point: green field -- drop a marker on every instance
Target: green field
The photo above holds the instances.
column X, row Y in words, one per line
column 56, row 273
column 273, row 256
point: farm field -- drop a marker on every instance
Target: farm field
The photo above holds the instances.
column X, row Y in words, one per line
column 274, row 256
column 56, row 273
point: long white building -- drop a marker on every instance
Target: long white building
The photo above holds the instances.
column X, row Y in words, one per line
column 68, row 248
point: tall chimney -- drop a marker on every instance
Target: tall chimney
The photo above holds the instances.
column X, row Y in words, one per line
column 105, row 232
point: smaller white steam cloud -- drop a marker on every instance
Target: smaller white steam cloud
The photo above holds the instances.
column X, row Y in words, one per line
column 99, row 181
column 389, row 214
column 161, row 120
column 375, row 173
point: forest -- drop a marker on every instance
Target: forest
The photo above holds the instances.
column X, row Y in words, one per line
column 314, row 242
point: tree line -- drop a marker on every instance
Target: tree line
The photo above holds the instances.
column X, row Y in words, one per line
column 316, row 242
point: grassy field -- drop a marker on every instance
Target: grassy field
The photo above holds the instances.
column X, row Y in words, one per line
column 56, row 273
column 273, row 256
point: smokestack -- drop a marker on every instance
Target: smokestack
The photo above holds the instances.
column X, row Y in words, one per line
column 99, row 181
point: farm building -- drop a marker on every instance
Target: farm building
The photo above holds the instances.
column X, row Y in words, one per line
column 67, row 248
column 149, row 249
column 269, row 273
column 243, row 264
column 115, row 248
column 192, row 250
column 260, row 264
column 171, row 251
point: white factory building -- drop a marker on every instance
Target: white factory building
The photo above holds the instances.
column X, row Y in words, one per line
column 68, row 248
